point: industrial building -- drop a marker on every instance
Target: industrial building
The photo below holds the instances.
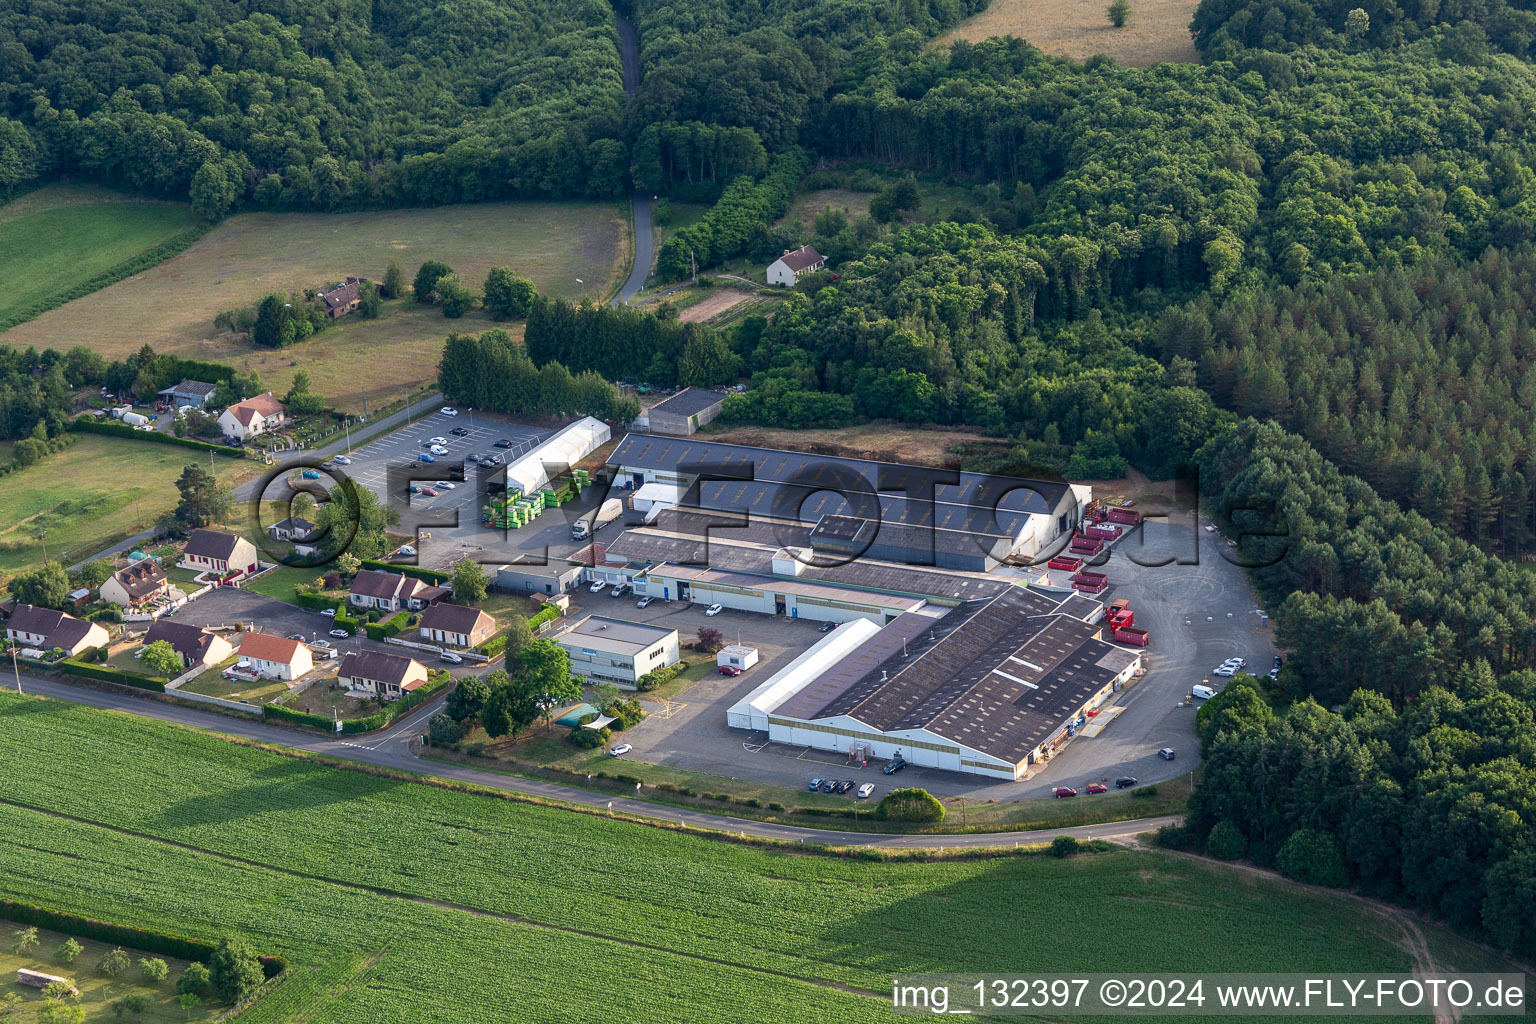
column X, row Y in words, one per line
column 685, row 412
column 526, row 576
column 858, row 508
column 987, row 687
column 606, row 650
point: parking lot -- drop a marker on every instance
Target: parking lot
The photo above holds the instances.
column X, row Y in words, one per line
column 1199, row 614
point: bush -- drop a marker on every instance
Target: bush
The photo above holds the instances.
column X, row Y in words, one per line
column 346, row 622
column 115, row 963
column 588, row 739
column 234, row 970
column 67, row 951
column 775, row 806
column 114, row 675
column 910, row 804
column 1144, row 792
column 194, row 980
column 1175, row 837
column 1226, row 842
column 391, row 627
column 153, row 970
column 311, row 599
column 443, row 730
column 1312, row 856
column 651, row 680
column 278, row 713
column 1063, row 846
column 549, row 614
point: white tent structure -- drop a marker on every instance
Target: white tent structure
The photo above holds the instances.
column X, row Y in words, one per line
column 751, row 712
column 558, row 453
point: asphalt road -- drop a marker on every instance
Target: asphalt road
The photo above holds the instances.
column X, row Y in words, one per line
column 640, row 200
column 392, row 749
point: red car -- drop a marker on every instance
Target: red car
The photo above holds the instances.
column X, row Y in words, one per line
column 729, row 670
column 1097, row 787
column 1064, row 791
column 430, row 492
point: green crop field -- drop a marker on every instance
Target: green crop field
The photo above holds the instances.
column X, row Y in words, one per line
column 400, row 901
column 62, row 235
column 571, row 249
column 97, row 491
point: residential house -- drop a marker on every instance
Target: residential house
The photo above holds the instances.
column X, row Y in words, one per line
column 189, row 394
column 386, row 676
column 275, row 656
column 392, row 591
column 294, row 529
column 196, row 645
column 222, row 553
column 686, row 411
column 456, row 625
column 253, row 416
column 141, row 583
column 46, row 629
column 794, row 264
column 343, row 298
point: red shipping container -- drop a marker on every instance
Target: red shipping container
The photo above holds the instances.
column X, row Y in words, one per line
column 1103, row 532
column 1089, row 586
column 1132, row 635
column 1065, row 562
column 1121, row 619
column 1124, row 515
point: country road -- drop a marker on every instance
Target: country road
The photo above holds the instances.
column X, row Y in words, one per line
column 640, row 200
column 391, row 749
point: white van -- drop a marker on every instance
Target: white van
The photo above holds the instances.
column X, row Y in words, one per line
column 1201, row 692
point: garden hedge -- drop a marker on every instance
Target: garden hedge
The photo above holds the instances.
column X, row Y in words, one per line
column 304, row 599
column 429, row 575
column 346, row 622
column 549, row 613
column 114, row 675
column 90, row 426
column 391, row 627
column 292, row 717
column 141, row 939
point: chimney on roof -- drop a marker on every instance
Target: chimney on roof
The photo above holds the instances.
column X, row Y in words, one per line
column 883, row 675
column 788, row 251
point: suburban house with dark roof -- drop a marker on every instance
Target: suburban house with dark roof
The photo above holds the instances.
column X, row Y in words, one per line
column 191, row 394
column 295, row 530
column 386, row 676
column 794, row 264
column 392, row 591
column 276, row 657
column 46, row 629
column 686, row 411
column 343, row 298
column 139, row 584
column 197, row 646
column 456, row 625
column 223, row 553
column 255, row 415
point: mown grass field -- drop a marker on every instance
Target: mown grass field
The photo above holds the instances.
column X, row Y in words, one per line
column 1157, row 31
column 97, row 491
column 97, row 991
column 62, row 235
column 398, row 901
column 567, row 249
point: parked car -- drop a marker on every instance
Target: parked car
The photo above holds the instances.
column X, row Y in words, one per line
column 1125, row 782
column 619, row 590
column 446, row 485
column 322, row 643
column 413, row 489
column 845, row 785
column 340, row 633
column 424, row 457
column 503, row 443
column 428, row 492
column 493, row 460
column 328, row 464
column 826, row 627
column 296, row 636
column 459, row 431
column 329, row 613
column 1061, row 792
column 438, row 449
column 1097, row 787
column 342, row 460
column 729, row 670
column 1278, row 661
column 647, row 599
column 1224, row 671
column 830, row 786
column 1166, row 753
column 598, row 586
column 815, row 784
column 310, row 474
column 451, row 658
column 1200, row 692
column 449, row 410
column 714, row 609
column 622, row 748
column 428, row 442
column 895, row 766
column 1274, row 673
column 439, row 439
column 406, row 549
column 865, row 790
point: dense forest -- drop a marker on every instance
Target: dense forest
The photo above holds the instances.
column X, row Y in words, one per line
column 1463, row 28
column 322, row 104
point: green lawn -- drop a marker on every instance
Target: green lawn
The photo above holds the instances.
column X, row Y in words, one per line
column 97, row 990
column 213, row 684
column 62, row 235
column 279, row 583
column 97, row 491
column 397, row 901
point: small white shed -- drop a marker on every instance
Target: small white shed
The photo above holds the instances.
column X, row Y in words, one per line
column 737, row 656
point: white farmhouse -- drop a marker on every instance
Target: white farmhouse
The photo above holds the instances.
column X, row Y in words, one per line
column 795, row 263
column 255, row 415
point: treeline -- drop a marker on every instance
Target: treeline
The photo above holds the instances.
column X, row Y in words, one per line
column 623, row 342
column 694, row 161
column 1420, row 786
column 1181, row 177
column 1223, row 29
column 491, row 372
column 328, row 104
column 35, row 387
column 1422, row 381
column 936, row 324
column 745, row 210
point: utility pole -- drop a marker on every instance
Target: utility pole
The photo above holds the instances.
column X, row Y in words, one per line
column 365, row 402
column 16, row 670
column 43, row 536
column 693, row 265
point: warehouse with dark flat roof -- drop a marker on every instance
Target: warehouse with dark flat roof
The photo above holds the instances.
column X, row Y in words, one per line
column 686, row 411
column 853, row 508
column 989, row 686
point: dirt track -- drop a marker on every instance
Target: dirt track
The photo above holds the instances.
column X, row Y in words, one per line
column 713, row 306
